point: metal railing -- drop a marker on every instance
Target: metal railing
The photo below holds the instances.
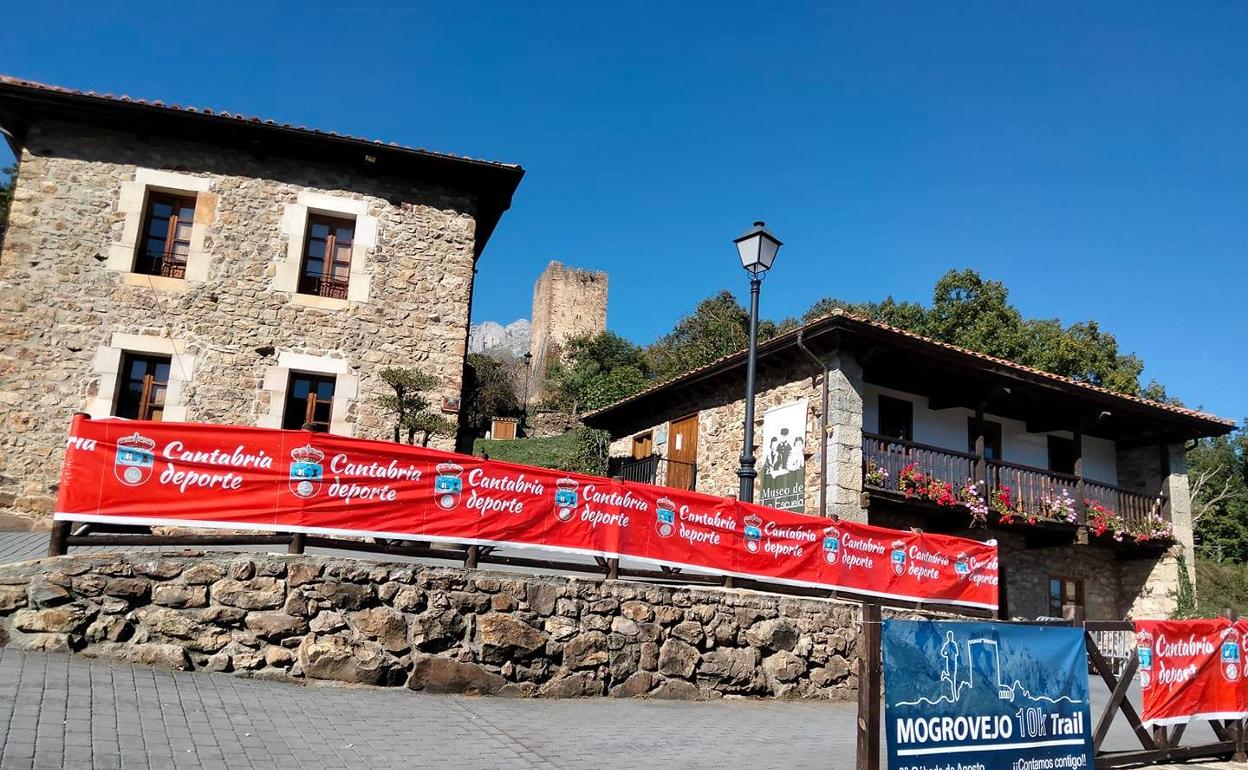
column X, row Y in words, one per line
column 659, row 470
column 167, row 265
column 322, row 286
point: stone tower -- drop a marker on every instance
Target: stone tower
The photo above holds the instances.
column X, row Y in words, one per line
column 567, row 303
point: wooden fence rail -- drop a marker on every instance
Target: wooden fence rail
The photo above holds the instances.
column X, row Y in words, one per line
column 1158, row 745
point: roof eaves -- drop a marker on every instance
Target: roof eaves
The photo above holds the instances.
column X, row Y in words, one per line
column 839, row 316
column 108, row 98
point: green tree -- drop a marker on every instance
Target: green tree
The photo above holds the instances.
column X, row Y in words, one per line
column 489, row 391
column 717, row 327
column 594, row 371
column 1218, row 474
column 975, row 313
column 410, row 406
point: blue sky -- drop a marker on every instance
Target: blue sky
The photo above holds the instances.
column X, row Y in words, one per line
column 1092, row 156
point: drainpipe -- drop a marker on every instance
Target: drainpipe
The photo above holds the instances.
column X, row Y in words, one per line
column 823, row 425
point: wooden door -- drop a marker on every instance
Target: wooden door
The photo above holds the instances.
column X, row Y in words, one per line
column 682, row 452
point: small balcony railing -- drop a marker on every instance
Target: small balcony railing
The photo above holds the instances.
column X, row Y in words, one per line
column 1060, row 497
column 322, row 286
column 657, row 469
column 160, row 263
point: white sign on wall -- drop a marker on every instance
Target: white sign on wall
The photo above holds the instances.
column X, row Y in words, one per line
column 782, row 476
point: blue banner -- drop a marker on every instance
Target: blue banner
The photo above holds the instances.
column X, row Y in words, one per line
column 983, row 696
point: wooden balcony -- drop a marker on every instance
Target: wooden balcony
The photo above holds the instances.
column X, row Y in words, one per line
column 1043, row 502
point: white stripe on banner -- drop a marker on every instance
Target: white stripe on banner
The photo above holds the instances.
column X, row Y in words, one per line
column 328, row 531
column 988, row 747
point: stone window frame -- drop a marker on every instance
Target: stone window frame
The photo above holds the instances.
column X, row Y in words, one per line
column 132, row 203
column 107, row 367
column 277, row 380
column 295, row 230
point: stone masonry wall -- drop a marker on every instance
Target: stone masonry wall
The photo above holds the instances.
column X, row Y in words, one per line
column 1114, row 589
column 567, row 302
column 63, row 305
column 435, row 629
column 720, row 431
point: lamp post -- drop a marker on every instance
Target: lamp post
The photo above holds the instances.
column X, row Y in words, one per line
column 528, row 374
column 757, row 249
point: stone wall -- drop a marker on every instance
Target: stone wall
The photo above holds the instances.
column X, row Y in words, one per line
column 721, row 419
column 567, row 302
column 233, row 330
column 1143, row 585
column 1114, row 589
column 436, row 629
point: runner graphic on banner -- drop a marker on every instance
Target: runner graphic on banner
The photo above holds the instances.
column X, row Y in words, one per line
column 782, row 480
column 989, row 695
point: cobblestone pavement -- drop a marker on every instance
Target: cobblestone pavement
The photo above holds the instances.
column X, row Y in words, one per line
column 61, row 710
column 68, row 711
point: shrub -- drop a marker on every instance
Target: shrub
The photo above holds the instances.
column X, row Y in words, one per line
column 578, row 451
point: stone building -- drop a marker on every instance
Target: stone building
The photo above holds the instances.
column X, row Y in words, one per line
column 172, row 263
column 567, row 302
column 1057, row 456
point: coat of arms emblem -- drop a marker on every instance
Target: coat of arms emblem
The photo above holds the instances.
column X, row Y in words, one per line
column 566, row 499
column 306, row 470
column 448, row 485
column 753, row 533
column 1230, row 655
column 1144, row 651
column 136, row 457
column 962, row 567
column 664, row 516
column 899, row 557
column 831, row 545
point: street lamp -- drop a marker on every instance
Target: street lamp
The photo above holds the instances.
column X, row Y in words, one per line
column 528, row 374
column 757, row 249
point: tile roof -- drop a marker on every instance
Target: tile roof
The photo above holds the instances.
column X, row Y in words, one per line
column 839, row 313
column 252, row 119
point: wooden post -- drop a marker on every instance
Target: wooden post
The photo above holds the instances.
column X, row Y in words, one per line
column 57, row 545
column 471, row 555
column 981, row 463
column 1235, row 727
column 296, row 543
column 728, row 581
column 1080, row 491
column 1237, row 737
column 1003, row 595
column 1074, row 614
column 1161, row 738
column 613, row 569
column 869, row 687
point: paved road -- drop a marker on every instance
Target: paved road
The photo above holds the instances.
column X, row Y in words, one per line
column 68, row 711
column 63, row 710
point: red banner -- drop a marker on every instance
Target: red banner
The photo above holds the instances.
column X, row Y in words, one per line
column 1191, row 669
column 186, row 474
